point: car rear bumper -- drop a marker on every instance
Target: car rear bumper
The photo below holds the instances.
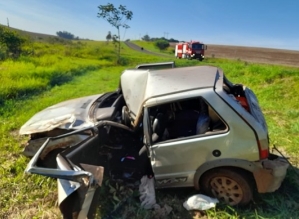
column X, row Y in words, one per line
column 270, row 174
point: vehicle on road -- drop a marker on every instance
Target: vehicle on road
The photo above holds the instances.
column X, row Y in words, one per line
column 186, row 127
column 190, row 50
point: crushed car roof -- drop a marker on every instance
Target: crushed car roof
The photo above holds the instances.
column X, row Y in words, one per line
column 139, row 85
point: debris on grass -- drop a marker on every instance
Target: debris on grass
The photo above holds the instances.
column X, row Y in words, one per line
column 162, row 212
column 147, row 193
column 200, row 202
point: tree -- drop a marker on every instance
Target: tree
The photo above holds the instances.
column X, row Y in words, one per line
column 65, row 35
column 109, row 36
column 146, row 38
column 173, row 40
column 162, row 44
column 10, row 42
column 117, row 17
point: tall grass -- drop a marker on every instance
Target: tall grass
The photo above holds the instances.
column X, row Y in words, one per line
column 48, row 66
column 51, row 64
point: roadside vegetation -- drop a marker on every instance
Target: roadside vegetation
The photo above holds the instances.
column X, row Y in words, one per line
column 59, row 70
column 151, row 46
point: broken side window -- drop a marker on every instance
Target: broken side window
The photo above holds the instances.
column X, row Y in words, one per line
column 184, row 118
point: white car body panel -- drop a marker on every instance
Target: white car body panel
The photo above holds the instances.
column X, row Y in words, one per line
column 71, row 114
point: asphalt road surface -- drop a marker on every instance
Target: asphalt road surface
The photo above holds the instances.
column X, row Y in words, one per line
column 138, row 48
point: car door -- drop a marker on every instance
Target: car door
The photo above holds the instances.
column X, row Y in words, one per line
column 77, row 185
column 81, row 162
column 175, row 161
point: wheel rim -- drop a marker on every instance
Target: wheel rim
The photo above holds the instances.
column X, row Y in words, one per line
column 226, row 190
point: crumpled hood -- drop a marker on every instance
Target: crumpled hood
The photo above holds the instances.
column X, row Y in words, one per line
column 71, row 114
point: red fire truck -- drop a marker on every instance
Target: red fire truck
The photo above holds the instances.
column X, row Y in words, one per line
column 190, row 50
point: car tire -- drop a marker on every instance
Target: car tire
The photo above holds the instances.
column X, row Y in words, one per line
column 230, row 186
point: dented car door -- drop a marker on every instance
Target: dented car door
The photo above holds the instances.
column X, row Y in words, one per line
column 80, row 161
column 78, row 174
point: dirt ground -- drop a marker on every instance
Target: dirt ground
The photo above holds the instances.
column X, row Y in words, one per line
column 253, row 54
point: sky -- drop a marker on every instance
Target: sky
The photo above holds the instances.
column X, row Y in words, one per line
column 257, row 23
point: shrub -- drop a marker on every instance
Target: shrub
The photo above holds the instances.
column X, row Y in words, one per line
column 2, row 53
column 10, row 42
column 162, row 44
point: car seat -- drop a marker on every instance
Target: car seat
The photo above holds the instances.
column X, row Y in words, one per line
column 159, row 126
column 203, row 124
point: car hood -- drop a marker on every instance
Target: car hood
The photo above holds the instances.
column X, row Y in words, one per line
column 71, row 114
column 140, row 86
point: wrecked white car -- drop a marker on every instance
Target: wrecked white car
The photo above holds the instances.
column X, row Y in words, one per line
column 187, row 127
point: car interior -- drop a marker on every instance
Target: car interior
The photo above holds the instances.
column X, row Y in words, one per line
column 188, row 117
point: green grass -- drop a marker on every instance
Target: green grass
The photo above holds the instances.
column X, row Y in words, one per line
column 50, row 65
column 86, row 68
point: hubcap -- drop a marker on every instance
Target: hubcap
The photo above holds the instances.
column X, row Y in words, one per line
column 227, row 190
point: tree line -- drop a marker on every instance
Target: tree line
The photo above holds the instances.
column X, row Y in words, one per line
column 148, row 38
column 66, row 35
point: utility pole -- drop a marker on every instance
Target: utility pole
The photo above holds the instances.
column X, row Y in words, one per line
column 166, row 35
column 7, row 22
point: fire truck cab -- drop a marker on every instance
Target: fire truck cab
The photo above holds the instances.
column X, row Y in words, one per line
column 190, row 50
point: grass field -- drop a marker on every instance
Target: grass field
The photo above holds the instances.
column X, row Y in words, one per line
column 56, row 72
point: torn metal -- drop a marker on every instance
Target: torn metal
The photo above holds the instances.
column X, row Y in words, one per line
column 71, row 178
column 270, row 174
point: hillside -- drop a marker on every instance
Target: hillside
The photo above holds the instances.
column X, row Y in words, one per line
column 249, row 54
column 33, row 35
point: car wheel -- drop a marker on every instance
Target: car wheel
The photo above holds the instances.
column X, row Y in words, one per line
column 230, row 186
